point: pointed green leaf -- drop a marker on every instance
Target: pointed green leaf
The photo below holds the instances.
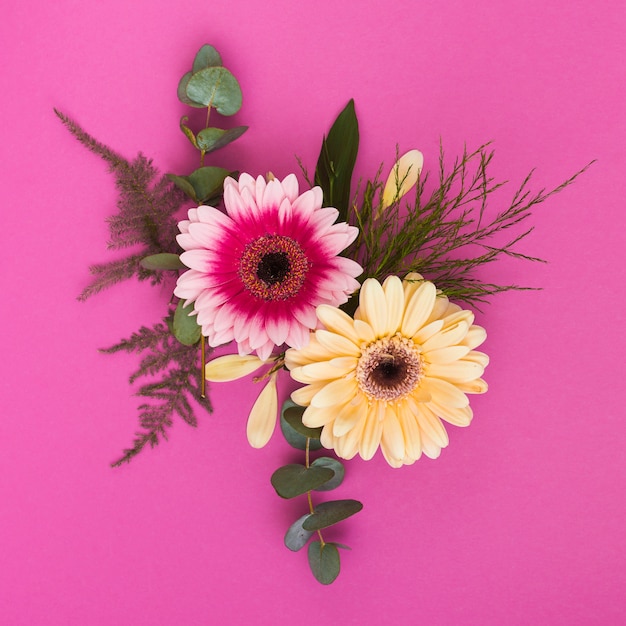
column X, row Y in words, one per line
column 211, row 139
column 182, row 92
column 183, row 183
column 336, row 161
column 163, row 261
column 293, row 437
column 293, row 416
column 324, row 561
column 208, row 182
column 186, row 328
column 188, row 132
column 336, row 466
column 296, row 537
column 207, row 56
column 215, row 87
column 293, row 480
column 329, row 513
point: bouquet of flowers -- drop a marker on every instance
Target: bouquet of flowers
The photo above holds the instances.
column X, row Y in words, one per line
column 354, row 291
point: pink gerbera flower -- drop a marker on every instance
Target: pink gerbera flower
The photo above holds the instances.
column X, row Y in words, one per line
column 259, row 270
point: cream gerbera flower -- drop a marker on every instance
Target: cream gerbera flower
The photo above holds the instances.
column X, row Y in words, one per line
column 390, row 375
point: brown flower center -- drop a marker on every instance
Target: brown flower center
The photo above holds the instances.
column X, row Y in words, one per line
column 389, row 369
column 273, row 267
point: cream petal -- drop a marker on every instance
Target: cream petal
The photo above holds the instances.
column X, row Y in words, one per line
column 456, row 372
column 477, row 357
column 418, row 309
column 475, row 386
column 364, row 331
column 337, row 392
column 337, row 321
column 475, row 336
column 444, row 393
column 262, row 419
column 349, row 415
column 446, row 355
column 439, row 309
column 395, row 303
column 370, row 439
column 446, row 337
column 411, row 431
column 304, row 395
column 430, row 426
column 426, row 332
column 430, row 448
column 392, row 438
column 231, row 367
column 338, row 345
column 457, row 316
column 314, row 417
column 373, row 306
column 350, row 442
column 324, row 370
column 458, row 416
column 403, row 177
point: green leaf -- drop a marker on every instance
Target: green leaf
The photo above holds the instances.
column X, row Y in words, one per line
column 162, row 261
column 329, row 513
column 324, row 561
column 293, row 416
column 296, row 537
column 336, row 161
column 293, row 437
column 207, row 56
column 186, row 328
column 293, row 480
column 336, row 466
column 188, row 132
column 182, row 92
column 211, row 139
column 207, row 183
column 215, row 87
column 182, row 182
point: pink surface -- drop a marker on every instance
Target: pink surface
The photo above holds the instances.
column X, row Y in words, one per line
column 521, row 520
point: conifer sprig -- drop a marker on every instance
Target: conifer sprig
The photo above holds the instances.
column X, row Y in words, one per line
column 145, row 219
column 173, row 370
column 449, row 234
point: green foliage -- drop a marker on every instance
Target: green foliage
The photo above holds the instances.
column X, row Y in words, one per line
column 324, row 561
column 292, row 436
column 329, row 513
column 185, row 325
column 293, row 416
column 162, row 261
column 336, row 466
column 211, row 139
column 145, row 219
column 447, row 235
column 296, row 536
column 336, row 161
column 173, row 370
column 294, row 480
column 202, row 185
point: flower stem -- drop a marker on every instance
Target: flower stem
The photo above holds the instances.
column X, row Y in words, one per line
column 308, row 493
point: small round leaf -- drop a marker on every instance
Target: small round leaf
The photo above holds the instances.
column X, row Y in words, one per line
column 296, row 537
column 293, row 416
column 293, row 480
column 182, row 92
column 207, row 56
column 324, row 561
column 336, row 466
column 329, row 513
column 186, row 328
column 215, row 87
column 293, row 437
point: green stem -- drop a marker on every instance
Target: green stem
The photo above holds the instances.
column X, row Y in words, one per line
column 308, row 493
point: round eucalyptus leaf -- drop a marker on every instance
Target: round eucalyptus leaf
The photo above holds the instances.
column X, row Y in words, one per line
column 329, row 513
column 162, row 261
column 336, row 466
column 183, row 183
column 293, row 480
column 182, row 92
column 293, row 416
column 211, row 139
column 215, row 87
column 207, row 56
column 293, row 437
column 324, row 561
column 186, row 328
column 296, row 537
column 208, row 182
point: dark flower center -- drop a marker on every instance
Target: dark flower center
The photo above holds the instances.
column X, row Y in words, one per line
column 273, row 267
column 389, row 369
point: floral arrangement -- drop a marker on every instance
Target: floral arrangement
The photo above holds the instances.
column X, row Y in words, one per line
column 347, row 289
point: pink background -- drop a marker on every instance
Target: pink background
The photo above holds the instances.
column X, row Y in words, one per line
column 520, row 521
